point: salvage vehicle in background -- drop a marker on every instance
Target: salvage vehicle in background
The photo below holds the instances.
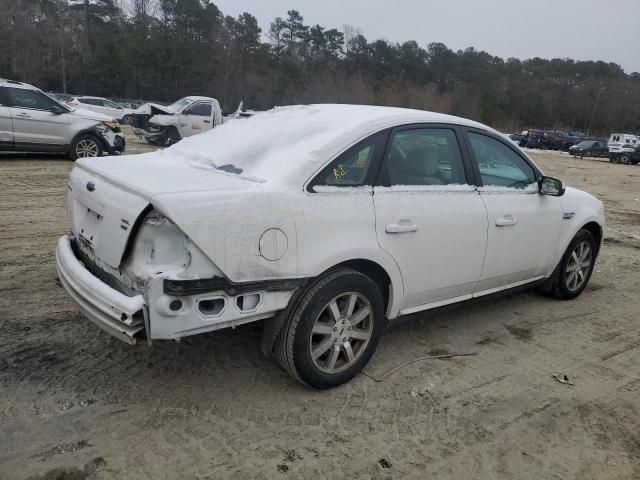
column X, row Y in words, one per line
column 103, row 105
column 33, row 121
column 623, row 148
column 590, row 148
column 324, row 222
column 627, row 154
column 165, row 125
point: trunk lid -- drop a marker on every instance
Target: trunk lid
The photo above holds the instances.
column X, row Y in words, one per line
column 107, row 195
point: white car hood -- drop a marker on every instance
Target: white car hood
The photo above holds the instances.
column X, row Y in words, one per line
column 89, row 115
column 147, row 109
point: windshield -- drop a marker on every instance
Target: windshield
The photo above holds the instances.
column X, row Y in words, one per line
column 109, row 103
column 55, row 99
column 179, row 104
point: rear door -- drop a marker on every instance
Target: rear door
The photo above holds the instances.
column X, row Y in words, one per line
column 196, row 119
column 429, row 216
column 524, row 226
column 6, row 124
column 33, row 121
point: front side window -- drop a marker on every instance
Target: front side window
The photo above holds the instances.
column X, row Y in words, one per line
column 499, row 165
column 22, row 98
column 424, row 156
column 201, row 110
column 353, row 168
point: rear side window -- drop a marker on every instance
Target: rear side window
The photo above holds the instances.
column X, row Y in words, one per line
column 33, row 99
column 424, row 156
column 91, row 101
column 354, row 167
column 499, row 165
column 3, row 100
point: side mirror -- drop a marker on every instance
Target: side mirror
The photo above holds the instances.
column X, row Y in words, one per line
column 551, row 186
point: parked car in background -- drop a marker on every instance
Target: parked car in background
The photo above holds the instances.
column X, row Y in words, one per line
column 514, row 138
column 318, row 220
column 554, row 140
column 33, row 121
column 626, row 154
column 103, row 105
column 590, row 148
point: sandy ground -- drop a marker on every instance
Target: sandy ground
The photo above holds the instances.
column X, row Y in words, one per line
column 75, row 403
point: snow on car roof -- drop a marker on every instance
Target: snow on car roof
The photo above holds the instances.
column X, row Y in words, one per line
column 289, row 143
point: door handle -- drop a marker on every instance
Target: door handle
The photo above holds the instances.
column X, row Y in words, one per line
column 207, row 121
column 403, row 226
column 506, row 221
column 22, row 114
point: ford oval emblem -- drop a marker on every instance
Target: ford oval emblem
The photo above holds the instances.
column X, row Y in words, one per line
column 91, row 186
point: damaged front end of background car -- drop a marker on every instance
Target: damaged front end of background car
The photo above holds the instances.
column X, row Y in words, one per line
column 156, row 124
column 165, row 125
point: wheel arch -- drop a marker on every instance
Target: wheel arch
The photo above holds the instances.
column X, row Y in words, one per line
column 88, row 131
column 391, row 288
column 376, row 273
column 596, row 230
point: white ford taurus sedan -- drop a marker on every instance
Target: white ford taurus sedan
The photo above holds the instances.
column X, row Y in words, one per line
column 322, row 221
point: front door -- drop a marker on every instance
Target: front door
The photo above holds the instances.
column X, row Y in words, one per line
column 196, row 119
column 6, row 125
column 524, row 226
column 430, row 217
column 33, row 121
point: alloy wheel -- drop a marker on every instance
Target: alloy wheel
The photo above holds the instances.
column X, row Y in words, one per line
column 341, row 332
column 578, row 266
column 87, row 148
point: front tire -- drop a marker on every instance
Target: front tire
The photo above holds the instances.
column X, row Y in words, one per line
column 572, row 274
column 85, row 146
column 625, row 159
column 333, row 330
column 172, row 136
column 127, row 119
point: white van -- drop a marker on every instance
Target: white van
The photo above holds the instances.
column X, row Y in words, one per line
column 617, row 141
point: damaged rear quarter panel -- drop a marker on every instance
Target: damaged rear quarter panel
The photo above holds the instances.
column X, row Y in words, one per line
column 227, row 227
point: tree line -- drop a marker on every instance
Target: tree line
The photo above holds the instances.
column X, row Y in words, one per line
column 165, row 49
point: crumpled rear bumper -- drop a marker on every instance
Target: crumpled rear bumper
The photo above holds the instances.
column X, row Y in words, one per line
column 117, row 314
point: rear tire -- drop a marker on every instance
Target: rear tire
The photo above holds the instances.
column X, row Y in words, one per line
column 85, row 146
column 127, row 120
column 333, row 330
column 625, row 159
column 614, row 160
column 573, row 273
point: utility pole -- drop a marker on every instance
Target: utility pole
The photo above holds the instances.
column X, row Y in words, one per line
column 593, row 112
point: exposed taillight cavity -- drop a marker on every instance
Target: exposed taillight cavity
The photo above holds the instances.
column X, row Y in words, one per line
column 248, row 303
column 211, row 307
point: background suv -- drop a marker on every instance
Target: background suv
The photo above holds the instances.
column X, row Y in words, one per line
column 32, row 121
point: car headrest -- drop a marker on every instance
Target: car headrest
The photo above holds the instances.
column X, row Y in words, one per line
column 420, row 162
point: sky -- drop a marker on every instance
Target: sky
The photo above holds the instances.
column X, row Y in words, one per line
column 607, row 30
